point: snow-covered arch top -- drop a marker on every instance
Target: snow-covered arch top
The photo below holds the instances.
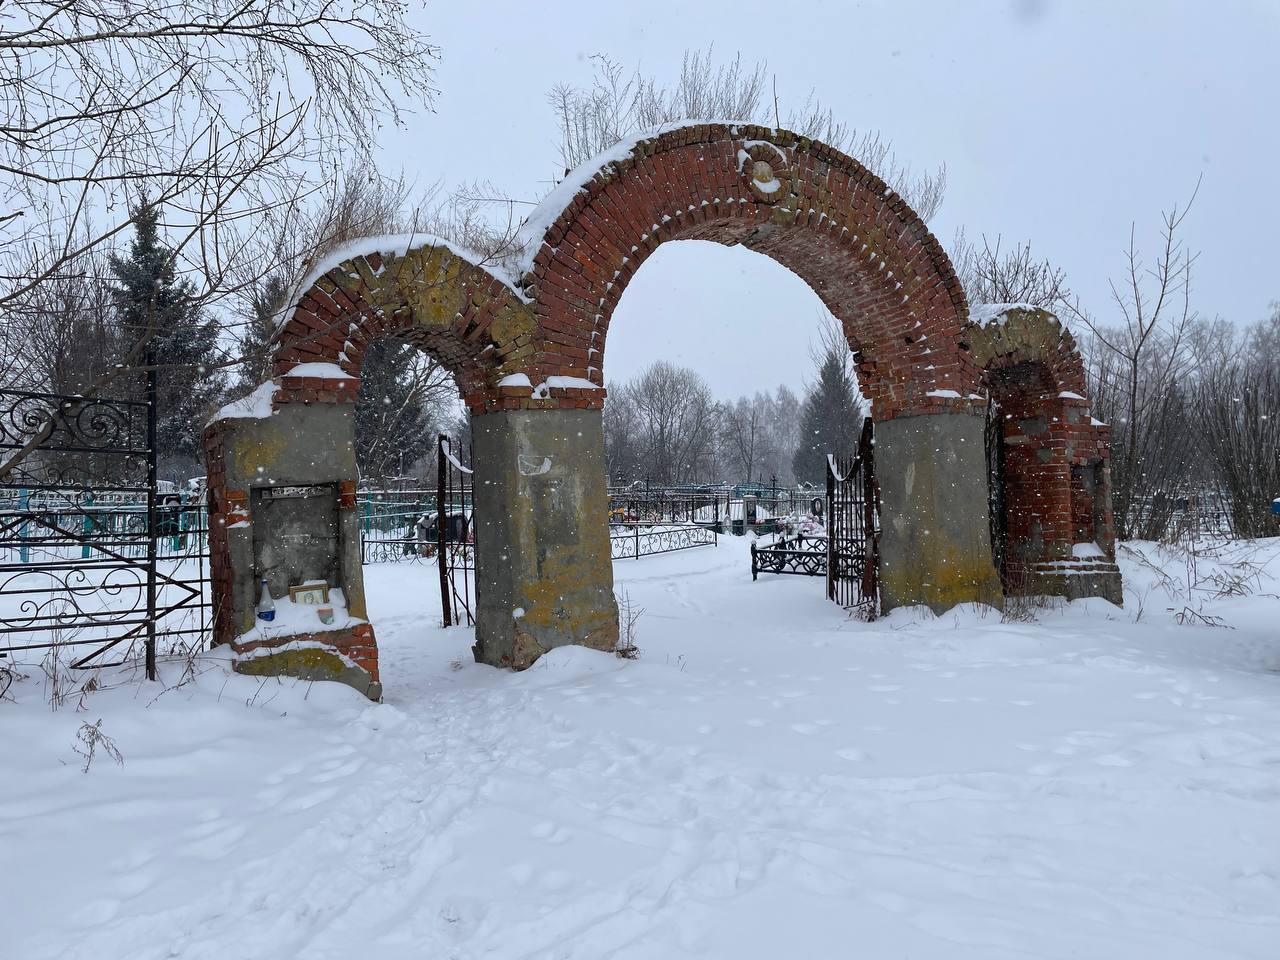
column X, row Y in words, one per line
column 1008, row 335
column 813, row 209
column 530, row 331
column 444, row 299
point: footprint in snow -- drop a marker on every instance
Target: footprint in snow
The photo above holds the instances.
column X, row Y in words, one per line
column 1114, row 760
column 555, row 880
column 552, row 832
column 852, row 754
column 336, row 770
column 96, row 912
column 521, row 872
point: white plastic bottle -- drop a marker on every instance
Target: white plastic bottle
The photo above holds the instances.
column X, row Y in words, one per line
column 266, row 606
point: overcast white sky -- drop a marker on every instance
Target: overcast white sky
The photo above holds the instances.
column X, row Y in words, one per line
column 1060, row 122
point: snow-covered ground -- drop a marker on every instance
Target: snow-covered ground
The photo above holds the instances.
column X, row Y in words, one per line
column 769, row 779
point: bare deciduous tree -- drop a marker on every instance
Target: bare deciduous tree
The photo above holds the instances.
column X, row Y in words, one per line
column 759, row 435
column 64, row 334
column 1138, row 368
column 1237, row 410
column 743, row 433
column 210, row 112
column 673, row 421
column 620, row 104
column 989, row 275
column 219, row 109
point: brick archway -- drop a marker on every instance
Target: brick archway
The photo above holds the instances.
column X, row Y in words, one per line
column 814, row 210
column 1056, row 499
column 526, row 340
column 450, row 303
column 543, row 313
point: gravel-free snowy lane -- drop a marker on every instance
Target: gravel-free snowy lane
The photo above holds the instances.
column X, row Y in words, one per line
column 770, row 779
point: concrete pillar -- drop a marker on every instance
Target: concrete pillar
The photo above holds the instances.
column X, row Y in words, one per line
column 250, row 459
column 544, row 577
column 935, row 541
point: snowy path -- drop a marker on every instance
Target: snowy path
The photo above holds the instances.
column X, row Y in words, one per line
column 769, row 779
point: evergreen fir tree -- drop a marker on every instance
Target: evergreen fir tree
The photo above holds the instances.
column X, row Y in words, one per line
column 392, row 427
column 830, row 419
column 151, row 300
column 259, row 331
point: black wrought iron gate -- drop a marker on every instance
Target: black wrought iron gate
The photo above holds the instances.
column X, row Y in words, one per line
column 93, row 553
column 455, row 535
column 852, row 512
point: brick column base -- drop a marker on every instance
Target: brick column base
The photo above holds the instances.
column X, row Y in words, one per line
column 349, row 656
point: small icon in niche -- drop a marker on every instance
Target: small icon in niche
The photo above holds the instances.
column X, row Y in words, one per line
column 325, row 614
column 313, row 594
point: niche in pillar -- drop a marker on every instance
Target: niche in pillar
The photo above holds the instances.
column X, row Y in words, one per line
column 295, row 536
column 1087, row 506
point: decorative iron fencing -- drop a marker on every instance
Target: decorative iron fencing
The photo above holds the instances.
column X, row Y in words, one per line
column 802, row 555
column 720, row 505
column 630, row 541
column 844, row 551
column 92, row 553
column 455, row 534
column 852, row 513
column 394, row 524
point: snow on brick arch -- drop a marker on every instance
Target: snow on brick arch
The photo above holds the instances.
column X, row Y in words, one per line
column 540, row 312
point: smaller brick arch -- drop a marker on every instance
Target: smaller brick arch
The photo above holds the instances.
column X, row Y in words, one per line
column 420, row 290
column 1008, row 335
column 1055, row 456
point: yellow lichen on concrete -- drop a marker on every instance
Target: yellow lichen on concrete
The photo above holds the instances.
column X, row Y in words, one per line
column 311, row 663
column 941, row 577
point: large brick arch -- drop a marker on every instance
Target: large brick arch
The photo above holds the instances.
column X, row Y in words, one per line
column 820, row 213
